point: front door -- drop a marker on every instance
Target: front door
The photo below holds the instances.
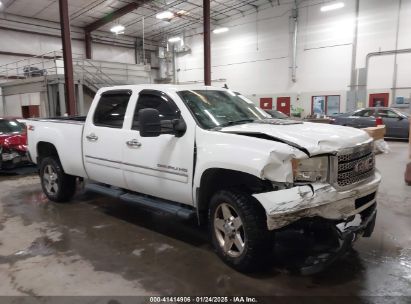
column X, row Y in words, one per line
column 159, row 166
column 379, row 100
column 396, row 125
column 283, row 105
column 102, row 138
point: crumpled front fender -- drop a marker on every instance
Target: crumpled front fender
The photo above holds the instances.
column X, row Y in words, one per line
column 284, row 207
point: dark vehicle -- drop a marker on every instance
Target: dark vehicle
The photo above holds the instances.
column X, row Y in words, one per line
column 396, row 122
column 30, row 71
column 276, row 114
column 13, row 143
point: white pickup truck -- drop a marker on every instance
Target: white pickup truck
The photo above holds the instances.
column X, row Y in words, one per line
column 210, row 153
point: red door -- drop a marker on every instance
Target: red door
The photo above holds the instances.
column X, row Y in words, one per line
column 379, row 100
column 266, row 103
column 284, row 104
column 30, row 111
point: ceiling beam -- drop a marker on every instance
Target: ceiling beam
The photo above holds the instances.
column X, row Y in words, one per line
column 105, row 20
column 114, row 15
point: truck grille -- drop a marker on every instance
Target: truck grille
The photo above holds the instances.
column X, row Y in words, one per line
column 356, row 165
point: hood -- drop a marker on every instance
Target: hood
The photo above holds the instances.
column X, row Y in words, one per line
column 311, row 138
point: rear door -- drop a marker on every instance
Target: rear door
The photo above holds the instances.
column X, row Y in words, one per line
column 159, row 166
column 102, row 138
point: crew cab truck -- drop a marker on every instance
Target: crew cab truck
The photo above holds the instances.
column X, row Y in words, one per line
column 211, row 154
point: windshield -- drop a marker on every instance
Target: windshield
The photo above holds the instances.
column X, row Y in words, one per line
column 277, row 114
column 404, row 112
column 214, row 108
column 10, row 126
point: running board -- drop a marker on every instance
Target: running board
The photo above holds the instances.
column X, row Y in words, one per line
column 143, row 201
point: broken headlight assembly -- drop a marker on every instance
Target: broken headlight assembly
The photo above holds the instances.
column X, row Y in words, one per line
column 311, row 170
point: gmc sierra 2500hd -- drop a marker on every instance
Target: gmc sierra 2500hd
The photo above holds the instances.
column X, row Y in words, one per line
column 210, row 153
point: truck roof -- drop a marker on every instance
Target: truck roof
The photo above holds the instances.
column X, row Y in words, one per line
column 163, row 87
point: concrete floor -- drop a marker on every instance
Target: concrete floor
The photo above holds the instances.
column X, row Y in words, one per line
column 99, row 246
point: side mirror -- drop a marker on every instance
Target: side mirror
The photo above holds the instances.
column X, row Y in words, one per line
column 400, row 117
column 179, row 127
column 149, row 120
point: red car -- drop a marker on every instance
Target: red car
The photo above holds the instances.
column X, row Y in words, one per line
column 13, row 143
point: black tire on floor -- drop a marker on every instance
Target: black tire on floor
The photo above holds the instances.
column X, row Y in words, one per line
column 257, row 240
column 57, row 185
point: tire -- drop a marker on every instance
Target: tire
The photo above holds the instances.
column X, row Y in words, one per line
column 243, row 225
column 57, row 185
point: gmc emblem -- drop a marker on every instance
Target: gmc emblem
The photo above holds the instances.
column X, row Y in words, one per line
column 364, row 165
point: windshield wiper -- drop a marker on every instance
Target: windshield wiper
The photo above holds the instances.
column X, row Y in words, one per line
column 235, row 122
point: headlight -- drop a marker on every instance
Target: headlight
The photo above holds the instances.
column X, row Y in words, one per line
column 310, row 170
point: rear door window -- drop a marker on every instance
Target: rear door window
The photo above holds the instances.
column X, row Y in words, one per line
column 111, row 109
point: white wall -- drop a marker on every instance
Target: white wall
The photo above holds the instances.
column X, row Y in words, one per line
column 13, row 103
column 255, row 56
column 37, row 44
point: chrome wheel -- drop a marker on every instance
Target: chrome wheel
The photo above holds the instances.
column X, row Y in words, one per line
column 50, row 180
column 229, row 230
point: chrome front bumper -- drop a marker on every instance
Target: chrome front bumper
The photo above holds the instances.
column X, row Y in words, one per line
column 284, row 207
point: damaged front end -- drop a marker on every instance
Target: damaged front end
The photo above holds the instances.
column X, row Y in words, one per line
column 336, row 191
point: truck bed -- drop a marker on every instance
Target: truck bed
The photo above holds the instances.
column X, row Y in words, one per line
column 69, row 119
column 65, row 134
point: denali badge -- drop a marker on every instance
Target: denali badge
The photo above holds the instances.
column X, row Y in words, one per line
column 364, row 165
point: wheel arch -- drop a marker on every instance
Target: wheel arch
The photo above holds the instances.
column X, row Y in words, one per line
column 46, row 149
column 215, row 179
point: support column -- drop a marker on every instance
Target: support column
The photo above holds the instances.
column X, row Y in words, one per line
column 3, row 103
column 67, row 57
column 87, row 39
column 80, row 98
column 207, row 43
column 51, row 107
column 62, row 99
column 138, row 48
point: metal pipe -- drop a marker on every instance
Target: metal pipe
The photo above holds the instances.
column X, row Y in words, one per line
column 144, row 38
column 67, row 57
column 395, row 72
column 383, row 53
column 354, row 46
column 207, row 42
column 295, row 35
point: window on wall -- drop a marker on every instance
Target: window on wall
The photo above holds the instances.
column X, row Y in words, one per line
column 325, row 105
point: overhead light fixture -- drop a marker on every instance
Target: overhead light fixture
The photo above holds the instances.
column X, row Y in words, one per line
column 182, row 13
column 117, row 29
column 165, row 15
column 332, row 7
column 174, row 39
column 220, row 30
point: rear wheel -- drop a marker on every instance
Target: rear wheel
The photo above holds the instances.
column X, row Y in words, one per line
column 239, row 231
column 57, row 185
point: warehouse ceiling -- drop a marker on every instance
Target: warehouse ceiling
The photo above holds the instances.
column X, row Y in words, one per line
column 84, row 12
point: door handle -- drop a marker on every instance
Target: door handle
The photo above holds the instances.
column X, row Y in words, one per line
column 134, row 143
column 92, row 137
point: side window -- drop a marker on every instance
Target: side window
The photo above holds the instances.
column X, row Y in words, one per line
column 156, row 100
column 364, row 113
column 387, row 114
column 111, row 109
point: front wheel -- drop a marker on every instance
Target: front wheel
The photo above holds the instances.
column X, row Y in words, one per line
column 239, row 231
column 57, row 185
